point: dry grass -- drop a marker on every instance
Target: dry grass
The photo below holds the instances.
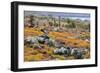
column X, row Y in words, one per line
column 31, row 54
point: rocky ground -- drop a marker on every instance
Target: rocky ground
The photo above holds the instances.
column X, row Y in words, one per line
column 54, row 45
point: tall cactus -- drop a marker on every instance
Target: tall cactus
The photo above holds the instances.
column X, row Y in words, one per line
column 31, row 20
column 54, row 22
column 59, row 21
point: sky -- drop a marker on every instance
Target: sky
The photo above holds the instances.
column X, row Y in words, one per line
column 82, row 16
